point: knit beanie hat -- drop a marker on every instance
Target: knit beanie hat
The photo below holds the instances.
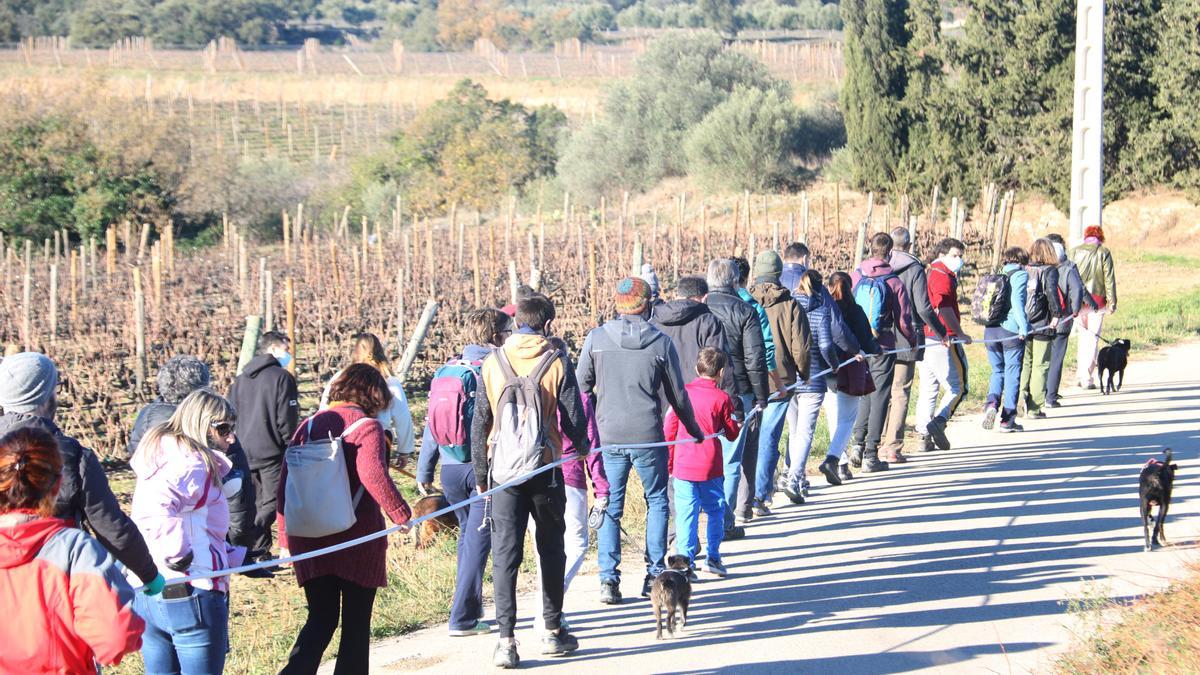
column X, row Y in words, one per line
column 768, row 264
column 27, row 380
column 633, row 295
column 650, row 278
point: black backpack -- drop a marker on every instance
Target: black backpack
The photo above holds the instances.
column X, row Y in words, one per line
column 992, row 299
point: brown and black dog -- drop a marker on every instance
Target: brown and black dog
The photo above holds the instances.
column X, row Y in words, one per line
column 1154, row 489
column 428, row 530
column 671, row 590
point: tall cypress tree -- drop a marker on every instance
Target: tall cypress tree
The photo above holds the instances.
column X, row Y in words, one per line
column 1176, row 76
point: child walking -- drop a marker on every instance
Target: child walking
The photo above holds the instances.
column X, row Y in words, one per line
column 698, row 468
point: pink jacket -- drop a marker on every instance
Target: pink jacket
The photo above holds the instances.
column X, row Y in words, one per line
column 179, row 509
column 575, row 474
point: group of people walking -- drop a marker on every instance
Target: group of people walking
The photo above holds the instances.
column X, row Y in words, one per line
column 691, row 393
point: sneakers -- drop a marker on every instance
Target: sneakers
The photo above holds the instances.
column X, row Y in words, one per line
column 856, row 455
column 829, row 468
column 559, row 643
column 794, row 493
column 480, row 628
column 844, row 472
column 646, row 583
column 1036, row 415
column 927, row 444
column 744, row 516
column 735, row 532
column 506, row 655
column 610, row 593
column 804, row 487
column 937, row 432
column 874, row 465
column 989, row 418
column 1053, row 404
column 1009, row 427
column 760, row 509
column 715, row 567
column 896, row 457
column 691, row 575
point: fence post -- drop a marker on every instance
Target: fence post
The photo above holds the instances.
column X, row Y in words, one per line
column 418, row 337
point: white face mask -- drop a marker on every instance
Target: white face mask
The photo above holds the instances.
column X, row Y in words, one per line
column 953, row 264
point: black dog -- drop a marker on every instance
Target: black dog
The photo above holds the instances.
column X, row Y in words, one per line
column 671, row 590
column 1154, row 489
column 1113, row 359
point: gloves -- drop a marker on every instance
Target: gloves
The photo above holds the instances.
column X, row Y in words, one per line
column 596, row 514
column 155, row 586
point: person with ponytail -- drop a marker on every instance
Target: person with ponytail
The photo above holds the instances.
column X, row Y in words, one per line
column 66, row 606
column 396, row 419
column 180, row 505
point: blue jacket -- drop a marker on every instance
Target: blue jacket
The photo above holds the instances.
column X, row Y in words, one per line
column 841, row 333
column 427, row 459
column 820, row 320
column 768, row 340
column 1016, row 321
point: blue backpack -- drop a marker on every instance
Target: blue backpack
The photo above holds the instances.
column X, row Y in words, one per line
column 452, row 406
column 871, row 294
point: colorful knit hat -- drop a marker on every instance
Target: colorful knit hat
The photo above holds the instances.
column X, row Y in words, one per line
column 633, row 295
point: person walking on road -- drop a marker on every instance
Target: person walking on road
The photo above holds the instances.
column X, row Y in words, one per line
column 631, row 367
column 853, row 380
column 944, row 368
column 396, row 419
column 1077, row 300
column 268, row 410
column 1043, row 310
column 1006, row 346
column 1099, row 275
column 689, row 323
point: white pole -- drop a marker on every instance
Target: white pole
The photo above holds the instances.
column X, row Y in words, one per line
column 1087, row 139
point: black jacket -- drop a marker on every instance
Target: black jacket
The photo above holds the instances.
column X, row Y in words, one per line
column 691, row 327
column 153, row 414
column 856, row 320
column 743, row 336
column 86, row 499
column 265, row 398
column 912, row 274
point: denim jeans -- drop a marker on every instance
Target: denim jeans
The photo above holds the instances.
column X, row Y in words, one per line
column 841, row 409
column 651, row 466
column 690, row 498
column 1005, row 359
column 768, row 448
column 186, row 636
column 802, row 425
column 731, row 454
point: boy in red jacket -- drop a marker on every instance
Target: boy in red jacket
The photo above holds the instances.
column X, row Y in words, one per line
column 698, row 468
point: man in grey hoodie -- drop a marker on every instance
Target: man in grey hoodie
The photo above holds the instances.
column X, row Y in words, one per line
column 631, row 368
column 911, row 272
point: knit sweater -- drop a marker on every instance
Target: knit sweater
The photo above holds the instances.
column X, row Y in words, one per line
column 366, row 459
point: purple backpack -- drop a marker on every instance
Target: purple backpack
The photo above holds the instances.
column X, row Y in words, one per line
column 451, row 407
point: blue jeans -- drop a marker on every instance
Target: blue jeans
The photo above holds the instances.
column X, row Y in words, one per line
column 768, row 449
column 474, row 545
column 651, row 466
column 1005, row 359
column 690, row 498
column 185, row 636
column 731, row 454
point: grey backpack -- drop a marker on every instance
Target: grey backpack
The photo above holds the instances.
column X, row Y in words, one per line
column 518, row 443
column 317, row 500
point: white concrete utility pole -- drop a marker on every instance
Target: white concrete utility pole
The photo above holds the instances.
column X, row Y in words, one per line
column 1087, row 137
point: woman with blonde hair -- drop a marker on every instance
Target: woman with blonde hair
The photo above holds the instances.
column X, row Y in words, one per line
column 1044, row 309
column 180, row 505
column 396, row 419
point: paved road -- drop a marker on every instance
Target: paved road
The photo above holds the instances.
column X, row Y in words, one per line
column 960, row 561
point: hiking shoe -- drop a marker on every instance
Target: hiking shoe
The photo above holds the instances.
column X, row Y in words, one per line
column 927, row 444
column 480, row 628
column 1009, row 427
column 794, row 493
column 610, row 593
column 856, row 455
column 937, row 433
column 829, row 468
column 761, row 510
column 1036, row 415
column 506, row 655
column 896, row 457
column 844, row 472
column 559, row 643
column 691, row 575
column 646, row 583
column 872, row 465
column 735, row 532
column 1053, row 404
column 715, row 567
column 745, row 515
column 989, row 418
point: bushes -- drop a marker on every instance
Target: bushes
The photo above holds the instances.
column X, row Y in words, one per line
column 744, row 143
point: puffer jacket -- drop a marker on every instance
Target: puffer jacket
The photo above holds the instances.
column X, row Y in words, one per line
column 691, row 327
column 86, row 500
column 181, row 510
column 820, row 321
column 66, row 605
column 912, row 274
column 789, row 325
column 743, row 334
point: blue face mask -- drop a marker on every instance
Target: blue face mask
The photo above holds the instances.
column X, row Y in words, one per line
column 284, row 359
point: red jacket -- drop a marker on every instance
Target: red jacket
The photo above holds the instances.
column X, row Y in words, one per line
column 714, row 413
column 943, row 294
column 64, row 602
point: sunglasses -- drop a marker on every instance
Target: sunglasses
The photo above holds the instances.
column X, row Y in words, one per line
column 224, row 428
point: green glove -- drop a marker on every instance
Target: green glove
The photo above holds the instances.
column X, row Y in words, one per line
column 156, row 586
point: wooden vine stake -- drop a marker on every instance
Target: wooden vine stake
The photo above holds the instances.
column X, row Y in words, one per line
column 139, row 329
column 53, row 303
column 290, row 311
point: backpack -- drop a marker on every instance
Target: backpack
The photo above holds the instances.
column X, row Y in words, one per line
column 992, row 299
column 1037, row 305
column 451, row 407
column 871, row 294
column 317, row 492
column 518, row 443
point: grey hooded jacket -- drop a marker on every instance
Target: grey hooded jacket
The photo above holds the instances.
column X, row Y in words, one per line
column 912, row 274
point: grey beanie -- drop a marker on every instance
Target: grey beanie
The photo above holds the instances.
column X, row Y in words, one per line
column 180, row 376
column 650, row 278
column 27, row 381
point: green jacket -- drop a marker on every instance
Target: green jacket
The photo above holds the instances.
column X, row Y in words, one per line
column 1097, row 271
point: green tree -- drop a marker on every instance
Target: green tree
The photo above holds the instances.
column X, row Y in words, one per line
column 1175, row 74
column 745, row 143
column 720, row 15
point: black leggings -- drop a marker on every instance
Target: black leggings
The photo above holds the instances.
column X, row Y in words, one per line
column 328, row 597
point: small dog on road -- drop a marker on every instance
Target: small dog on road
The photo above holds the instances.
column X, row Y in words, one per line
column 671, row 590
column 1113, row 359
column 1154, row 489
column 428, row 530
